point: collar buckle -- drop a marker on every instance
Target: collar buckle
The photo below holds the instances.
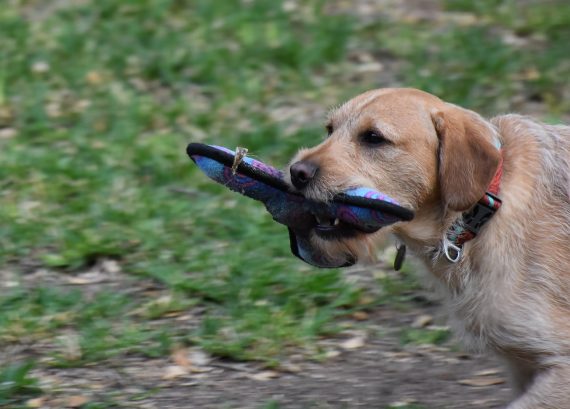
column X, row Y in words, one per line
column 481, row 213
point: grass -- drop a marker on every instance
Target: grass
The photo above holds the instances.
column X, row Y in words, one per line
column 16, row 382
column 424, row 336
column 98, row 100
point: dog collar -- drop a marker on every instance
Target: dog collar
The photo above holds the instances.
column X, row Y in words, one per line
column 468, row 226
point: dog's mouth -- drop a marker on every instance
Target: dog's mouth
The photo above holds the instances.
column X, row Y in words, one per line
column 333, row 228
column 304, row 247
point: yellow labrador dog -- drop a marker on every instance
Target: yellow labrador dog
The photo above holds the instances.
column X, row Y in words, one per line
column 492, row 222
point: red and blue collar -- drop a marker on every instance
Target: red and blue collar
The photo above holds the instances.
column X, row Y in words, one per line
column 468, row 226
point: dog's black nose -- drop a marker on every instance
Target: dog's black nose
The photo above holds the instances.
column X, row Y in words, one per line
column 302, row 172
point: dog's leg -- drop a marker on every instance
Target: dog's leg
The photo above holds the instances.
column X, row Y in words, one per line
column 550, row 390
column 521, row 374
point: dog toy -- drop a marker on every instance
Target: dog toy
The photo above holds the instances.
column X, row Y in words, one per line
column 355, row 210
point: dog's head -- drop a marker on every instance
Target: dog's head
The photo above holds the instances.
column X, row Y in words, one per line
column 431, row 156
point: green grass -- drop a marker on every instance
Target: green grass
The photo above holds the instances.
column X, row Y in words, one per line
column 102, row 97
column 16, row 382
column 424, row 336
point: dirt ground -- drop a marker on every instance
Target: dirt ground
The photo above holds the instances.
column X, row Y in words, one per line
column 366, row 366
column 367, row 370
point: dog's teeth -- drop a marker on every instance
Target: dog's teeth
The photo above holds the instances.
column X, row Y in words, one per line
column 326, row 222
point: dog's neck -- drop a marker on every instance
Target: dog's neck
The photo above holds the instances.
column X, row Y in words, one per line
column 424, row 237
column 439, row 233
column 424, row 234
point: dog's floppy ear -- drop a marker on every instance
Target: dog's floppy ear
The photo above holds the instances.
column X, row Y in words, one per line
column 468, row 159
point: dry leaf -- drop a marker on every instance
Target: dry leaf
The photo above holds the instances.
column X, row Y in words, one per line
column 111, row 266
column 531, row 74
column 290, row 367
column 76, row 401
column 487, row 381
column 180, row 358
column 199, row 358
column 35, row 403
column 422, row 321
column 92, row 277
column 360, row 315
column 40, row 67
column 403, row 403
column 8, row 133
column 353, row 343
column 487, row 372
column 172, row 314
column 94, row 78
column 332, row 353
column 264, row 376
column 370, row 67
column 71, row 347
column 365, row 300
column 174, row 371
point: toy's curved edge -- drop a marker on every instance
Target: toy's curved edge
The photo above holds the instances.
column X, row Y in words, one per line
column 375, row 204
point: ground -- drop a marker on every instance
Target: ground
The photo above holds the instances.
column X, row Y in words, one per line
column 373, row 363
column 127, row 279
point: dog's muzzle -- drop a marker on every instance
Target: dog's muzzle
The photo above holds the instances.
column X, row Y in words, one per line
column 302, row 248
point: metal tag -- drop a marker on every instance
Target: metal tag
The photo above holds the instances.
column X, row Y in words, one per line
column 400, row 257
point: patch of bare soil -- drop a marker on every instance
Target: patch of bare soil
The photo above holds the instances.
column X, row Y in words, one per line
column 370, row 369
column 366, row 367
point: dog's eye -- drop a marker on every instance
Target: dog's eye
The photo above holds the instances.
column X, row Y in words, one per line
column 373, row 137
column 329, row 129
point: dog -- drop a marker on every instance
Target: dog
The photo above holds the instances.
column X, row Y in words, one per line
column 506, row 283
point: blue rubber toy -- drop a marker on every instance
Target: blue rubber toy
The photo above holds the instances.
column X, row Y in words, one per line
column 358, row 210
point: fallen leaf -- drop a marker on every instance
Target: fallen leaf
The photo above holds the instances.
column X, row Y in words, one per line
column 484, row 402
column 403, row 403
column 290, row 367
column 180, row 357
column 111, row 266
column 40, row 67
column 487, row 381
column 6, row 114
column 422, row 321
column 370, row 67
column 531, row 74
column 353, row 343
column 263, row 376
column 365, row 300
column 94, row 78
column 487, row 372
column 332, row 353
column 173, row 314
column 174, row 371
column 360, row 315
column 71, row 347
column 8, row 133
column 199, row 358
column 92, row 277
column 76, row 401
column 35, row 403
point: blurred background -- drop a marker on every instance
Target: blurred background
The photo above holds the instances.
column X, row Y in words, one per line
column 127, row 279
